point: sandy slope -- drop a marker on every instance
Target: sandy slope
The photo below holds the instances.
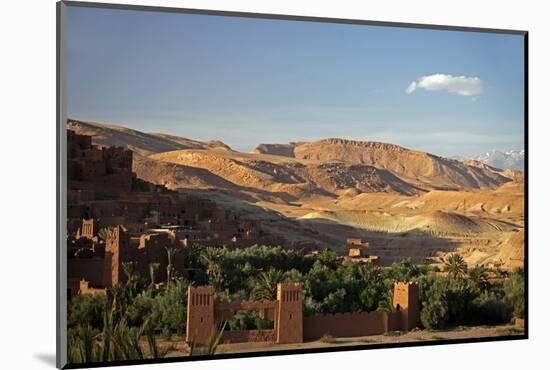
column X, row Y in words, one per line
column 418, row 168
column 406, row 203
column 137, row 141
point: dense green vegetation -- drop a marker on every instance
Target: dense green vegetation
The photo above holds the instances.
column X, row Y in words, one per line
column 139, row 308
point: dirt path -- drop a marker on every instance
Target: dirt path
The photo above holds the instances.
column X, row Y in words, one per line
column 392, row 337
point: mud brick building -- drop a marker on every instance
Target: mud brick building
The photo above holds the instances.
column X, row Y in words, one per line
column 358, row 251
column 102, row 187
column 205, row 316
column 91, row 166
column 138, row 220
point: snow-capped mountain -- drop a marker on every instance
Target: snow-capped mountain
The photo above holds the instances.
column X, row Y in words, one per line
column 511, row 159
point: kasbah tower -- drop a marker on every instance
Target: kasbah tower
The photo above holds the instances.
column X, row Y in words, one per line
column 405, row 300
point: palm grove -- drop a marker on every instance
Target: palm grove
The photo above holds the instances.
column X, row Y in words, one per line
column 125, row 324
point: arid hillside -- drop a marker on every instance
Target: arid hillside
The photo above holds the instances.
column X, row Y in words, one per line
column 332, row 167
column 290, row 178
column 137, row 141
column 407, row 203
column 418, row 168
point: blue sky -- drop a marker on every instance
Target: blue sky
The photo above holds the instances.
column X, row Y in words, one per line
column 250, row 81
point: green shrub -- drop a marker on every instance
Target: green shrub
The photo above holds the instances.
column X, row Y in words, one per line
column 169, row 308
column 87, row 310
column 434, row 315
column 335, row 302
column 514, row 289
column 249, row 320
column 140, row 309
column 404, row 270
column 310, row 306
column 460, row 296
column 491, row 310
column 262, row 323
column 328, row 287
column 329, row 258
column 243, row 320
column 447, row 301
column 369, row 299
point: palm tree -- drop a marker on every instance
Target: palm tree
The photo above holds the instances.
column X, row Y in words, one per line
column 455, row 265
column 265, row 288
column 211, row 258
column 170, row 253
column 129, row 270
column 81, row 346
column 117, row 293
column 155, row 350
column 125, row 341
column 478, row 275
column 102, row 233
column 369, row 273
column 105, row 348
column 153, row 267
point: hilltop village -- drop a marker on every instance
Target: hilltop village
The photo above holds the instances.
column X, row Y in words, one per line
column 115, row 217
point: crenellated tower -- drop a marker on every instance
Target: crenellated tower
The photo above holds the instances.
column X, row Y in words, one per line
column 405, row 300
column 117, row 248
column 200, row 314
column 290, row 326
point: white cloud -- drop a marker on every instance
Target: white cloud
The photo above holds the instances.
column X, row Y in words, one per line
column 411, row 88
column 461, row 85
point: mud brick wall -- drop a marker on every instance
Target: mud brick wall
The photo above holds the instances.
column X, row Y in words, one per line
column 345, row 324
column 243, row 336
column 90, row 269
column 394, row 321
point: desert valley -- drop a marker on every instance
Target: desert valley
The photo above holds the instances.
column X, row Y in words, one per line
column 249, row 185
column 290, row 246
column 404, row 203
